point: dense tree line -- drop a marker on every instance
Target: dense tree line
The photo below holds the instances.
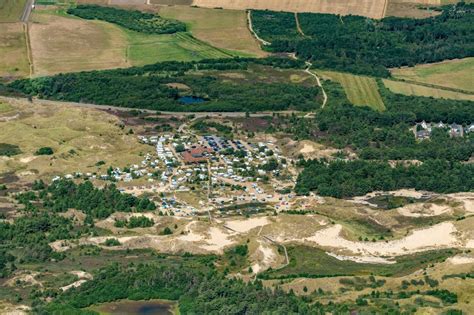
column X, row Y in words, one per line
column 367, row 46
column 353, row 178
column 62, row 195
column 198, row 291
column 30, row 234
column 148, row 87
column 134, row 20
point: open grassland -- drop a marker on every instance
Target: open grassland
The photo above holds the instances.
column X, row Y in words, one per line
column 64, row 44
column 226, row 29
column 13, row 52
column 402, row 8
column 360, row 90
column 421, row 90
column 455, row 74
column 146, row 49
column 10, row 10
column 369, row 8
column 315, row 263
column 79, row 137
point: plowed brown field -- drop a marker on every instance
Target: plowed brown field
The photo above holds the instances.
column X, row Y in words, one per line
column 370, row 8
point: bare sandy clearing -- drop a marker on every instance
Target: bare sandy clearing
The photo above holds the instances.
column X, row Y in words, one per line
column 424, row 210
column 460, row 260
column 243, row 226
column 191, row 236
column 7, row 308
column 75, row 284
column 264, row 257
column 438, row 236
column 467, row 199
column 217, row 240
column 27, row 159
column 363, row 259
column 25, row 277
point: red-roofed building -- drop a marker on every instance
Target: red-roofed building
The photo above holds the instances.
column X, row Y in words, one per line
column 197, row 154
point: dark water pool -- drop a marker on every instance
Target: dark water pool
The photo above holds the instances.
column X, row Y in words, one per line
column 191, row 100
column 154, row 307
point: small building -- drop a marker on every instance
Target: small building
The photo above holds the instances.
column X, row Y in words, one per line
column 456, row 130
column 422, row 134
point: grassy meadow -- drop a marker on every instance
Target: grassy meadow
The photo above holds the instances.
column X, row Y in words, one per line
column 13, row 51
column 360, row 90
column 226, row 29
column 421, row 90
column 79, row 137
column 455, row 74
column 63, row 43
column 146, row 49
column 11, row 10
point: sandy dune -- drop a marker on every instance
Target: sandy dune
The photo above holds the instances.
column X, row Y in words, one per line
column 265, row 256
column 218, row 240
column 438, row 236
column 243, row 226
column 424, row 210
column 460, row 260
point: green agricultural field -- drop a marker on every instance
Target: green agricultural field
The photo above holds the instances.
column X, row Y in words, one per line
column 226, row 29
column 455, row 74
column 10, row 10
column 421, row 90
column 360, row 90
column 146, row 49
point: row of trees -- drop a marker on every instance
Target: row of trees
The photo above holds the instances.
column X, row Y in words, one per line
column 353, row 178
column 367, row 46
column 134, row 20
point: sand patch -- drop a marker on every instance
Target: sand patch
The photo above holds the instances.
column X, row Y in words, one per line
column 243, row 226
column 218, row 240
column 76, row 284
column 460, row 260
column 26, row 277
column 438, row 236
column 27, row 159
column 191, row 236
column 363, row 259
column 467, row 199
column 13, row 309
column 424, row 210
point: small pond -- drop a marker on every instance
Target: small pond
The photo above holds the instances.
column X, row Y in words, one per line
column 126, row 307
column 191, row 100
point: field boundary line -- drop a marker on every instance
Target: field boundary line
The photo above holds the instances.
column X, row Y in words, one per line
column 250, row 26
column 430, row 85
column 29, row 53
column 384, row 11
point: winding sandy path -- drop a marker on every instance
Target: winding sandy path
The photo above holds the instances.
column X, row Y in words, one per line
column 308, row 71
column 249, row 20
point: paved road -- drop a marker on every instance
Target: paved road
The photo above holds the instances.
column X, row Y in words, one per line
column 25, row 16
column 197, row 114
